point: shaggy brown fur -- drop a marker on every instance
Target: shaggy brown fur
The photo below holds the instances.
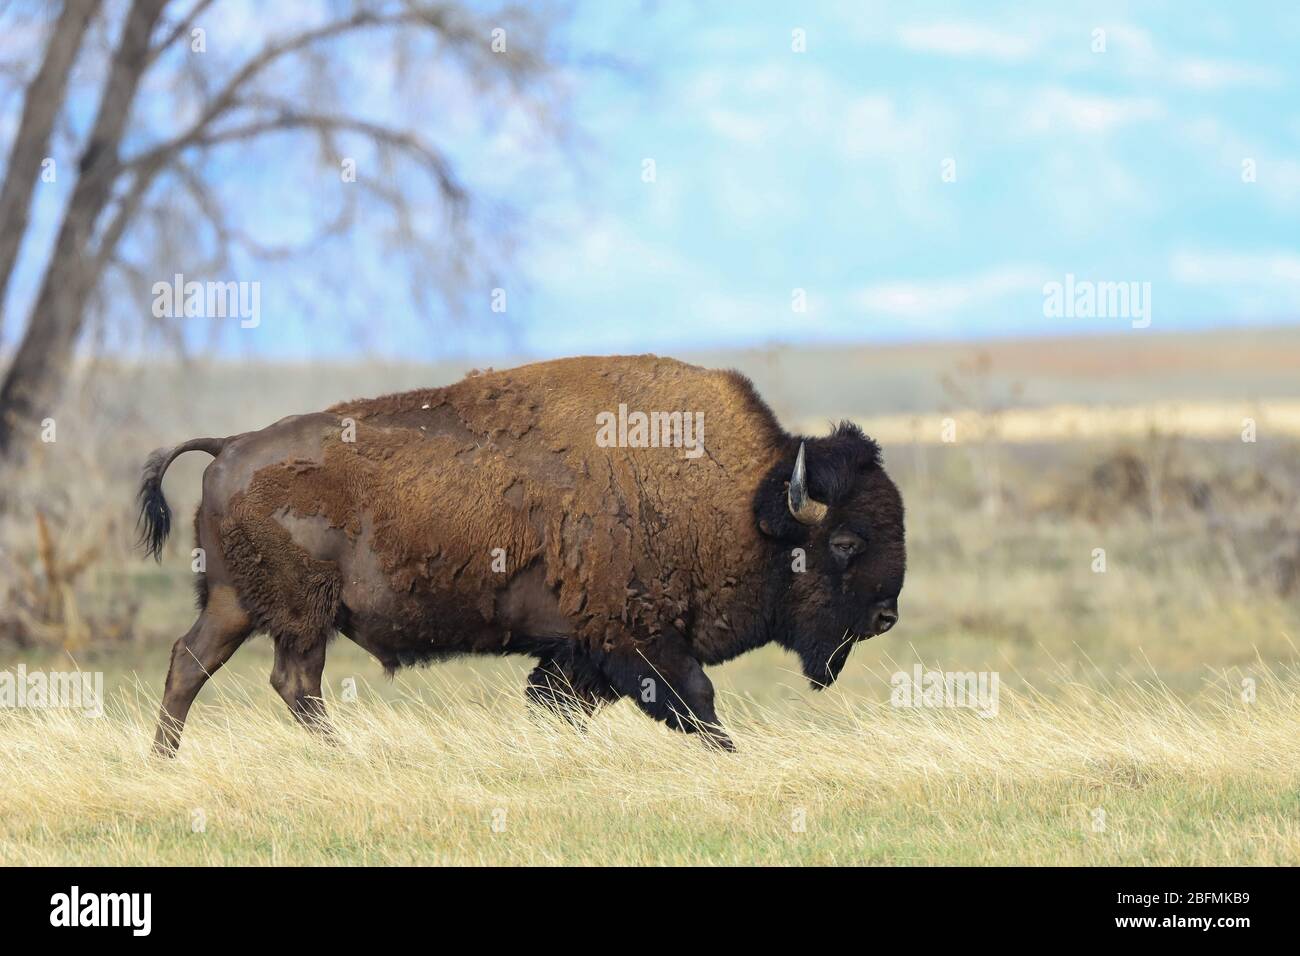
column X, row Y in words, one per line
column 483, row 517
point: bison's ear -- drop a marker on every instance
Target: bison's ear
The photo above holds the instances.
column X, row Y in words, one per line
column 831, row 467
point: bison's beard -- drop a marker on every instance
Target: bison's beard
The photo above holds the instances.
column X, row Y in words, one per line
column 820, row 630
column 822, row 659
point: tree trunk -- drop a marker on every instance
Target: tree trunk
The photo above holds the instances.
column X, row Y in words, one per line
column 40, row 366
column 41, row 105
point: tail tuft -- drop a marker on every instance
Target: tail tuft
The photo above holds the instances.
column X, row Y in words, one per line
column 155, row 521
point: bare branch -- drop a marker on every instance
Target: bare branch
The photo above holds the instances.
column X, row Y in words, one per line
column 183, row 27
column 125, row 212
column 441, row 19
column 453, row 192
column 226, row 234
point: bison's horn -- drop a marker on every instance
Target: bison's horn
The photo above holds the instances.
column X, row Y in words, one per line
column 804, row 509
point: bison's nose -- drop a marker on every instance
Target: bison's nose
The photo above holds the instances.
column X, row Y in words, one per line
column 884, row 616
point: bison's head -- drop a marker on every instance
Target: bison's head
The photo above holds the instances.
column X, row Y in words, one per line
column 830, row 499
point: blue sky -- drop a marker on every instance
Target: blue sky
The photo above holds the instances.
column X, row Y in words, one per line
column 823, row 170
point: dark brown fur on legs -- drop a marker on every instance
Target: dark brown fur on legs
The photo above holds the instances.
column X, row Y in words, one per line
column 296, row 677
column 217, row 634
column 573, row 689
column 669, row 685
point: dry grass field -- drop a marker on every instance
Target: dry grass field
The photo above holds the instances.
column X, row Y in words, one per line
column 1147, row 710
column 442, row 776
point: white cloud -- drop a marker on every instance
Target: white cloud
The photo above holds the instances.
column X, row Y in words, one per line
column 752, row 105
column 606, row 251
column 962, row 39
column 886, row 152
column 872, row 126
column 1202, row 74
column 737, row 127
column 1053, row 108
column 1241, row 283
column 933, row 298
column 1141, row 58
column 1132, row 46
column 1273, row 269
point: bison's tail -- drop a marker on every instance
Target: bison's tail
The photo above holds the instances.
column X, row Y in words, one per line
column 155, row 521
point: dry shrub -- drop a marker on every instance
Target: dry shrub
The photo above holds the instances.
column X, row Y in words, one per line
column 1168, row 477
column 46, row 601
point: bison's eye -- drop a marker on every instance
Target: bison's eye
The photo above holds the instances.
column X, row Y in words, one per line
column 845, row 545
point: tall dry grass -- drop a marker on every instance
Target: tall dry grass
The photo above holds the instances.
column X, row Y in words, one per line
column 1123, row 775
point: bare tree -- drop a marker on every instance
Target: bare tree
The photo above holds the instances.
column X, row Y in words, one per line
column 40, row 108
column 135, row 170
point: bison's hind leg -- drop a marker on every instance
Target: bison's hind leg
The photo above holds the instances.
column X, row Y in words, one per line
column 296, row 677
column 221, row 628
column 569, row 686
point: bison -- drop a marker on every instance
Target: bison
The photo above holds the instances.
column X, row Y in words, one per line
column 530, row 512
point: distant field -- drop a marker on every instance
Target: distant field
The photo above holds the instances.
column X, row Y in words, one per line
column 1276, row 418
column 1136, row 368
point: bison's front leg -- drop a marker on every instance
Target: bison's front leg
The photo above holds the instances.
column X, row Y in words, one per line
column 669, row 685
column 572, row 687
column 296, row 678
